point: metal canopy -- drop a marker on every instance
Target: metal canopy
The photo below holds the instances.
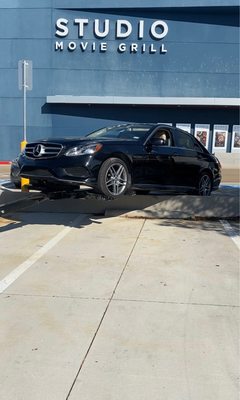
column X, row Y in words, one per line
column 147, row 101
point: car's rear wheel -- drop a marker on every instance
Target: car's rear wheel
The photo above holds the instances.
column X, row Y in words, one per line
column 204, row 185
column 114, row 178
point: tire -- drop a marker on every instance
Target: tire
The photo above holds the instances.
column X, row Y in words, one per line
column 17, row 185
column 114, row 178
column 16, row 182
column 204, row 185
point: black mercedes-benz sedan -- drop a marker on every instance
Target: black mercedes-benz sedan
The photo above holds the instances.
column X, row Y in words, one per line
column 116, row 159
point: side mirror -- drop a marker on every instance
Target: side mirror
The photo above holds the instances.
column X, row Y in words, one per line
column 148, row 146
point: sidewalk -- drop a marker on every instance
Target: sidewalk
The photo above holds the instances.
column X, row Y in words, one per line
column 4, row 172
column 118, row 309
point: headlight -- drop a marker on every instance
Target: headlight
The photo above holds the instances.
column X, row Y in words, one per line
column 82, row 150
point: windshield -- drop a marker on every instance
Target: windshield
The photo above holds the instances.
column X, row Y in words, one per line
column 134, row 132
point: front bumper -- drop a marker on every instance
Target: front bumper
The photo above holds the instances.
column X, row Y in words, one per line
column 61, row 171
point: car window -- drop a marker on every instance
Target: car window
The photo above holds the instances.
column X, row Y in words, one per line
column 184, row 140
column 197, row 145
column 135, row 132
column 164, row 136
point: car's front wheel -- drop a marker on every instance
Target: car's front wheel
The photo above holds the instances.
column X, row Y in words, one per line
column 205, row 185
column 114, row 178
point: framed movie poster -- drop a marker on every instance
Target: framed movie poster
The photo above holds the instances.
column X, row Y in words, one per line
column 202, row 133
column 220, row 136
column 184, row 127
column 236, row 139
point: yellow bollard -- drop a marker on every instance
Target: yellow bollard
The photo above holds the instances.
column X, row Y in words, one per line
column 24, row 181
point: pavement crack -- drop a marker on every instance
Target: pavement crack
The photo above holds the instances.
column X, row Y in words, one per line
column 176, row 303
column 105, row 311
column 7, row 294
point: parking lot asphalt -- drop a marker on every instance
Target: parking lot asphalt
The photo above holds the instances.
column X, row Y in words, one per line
column 95, row 308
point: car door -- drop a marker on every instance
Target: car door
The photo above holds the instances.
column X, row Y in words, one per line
column 187, row 159
column 160, row 168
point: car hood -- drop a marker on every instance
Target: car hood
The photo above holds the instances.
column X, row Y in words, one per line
column 74, row 141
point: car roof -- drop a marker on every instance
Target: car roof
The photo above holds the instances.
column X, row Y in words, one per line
column 150, row 124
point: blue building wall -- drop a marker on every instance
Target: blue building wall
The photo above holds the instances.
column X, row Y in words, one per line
column 202, row 60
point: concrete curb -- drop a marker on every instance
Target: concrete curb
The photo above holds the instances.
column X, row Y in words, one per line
column 222, row 204
column 186, row 207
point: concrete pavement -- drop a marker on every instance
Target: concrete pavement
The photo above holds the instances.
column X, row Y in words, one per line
column 116, row 308
column 95, row 308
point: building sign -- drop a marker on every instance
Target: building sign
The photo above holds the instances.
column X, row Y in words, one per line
column 129, row 37
column 202, row 133
column 220, row 136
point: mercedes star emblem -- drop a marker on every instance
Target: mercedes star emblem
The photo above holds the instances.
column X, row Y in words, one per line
column 38, row 150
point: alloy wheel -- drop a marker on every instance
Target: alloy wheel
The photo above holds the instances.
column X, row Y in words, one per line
column 116, row 179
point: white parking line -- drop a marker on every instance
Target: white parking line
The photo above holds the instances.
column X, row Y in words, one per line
column 231, row 233
column 17, row 272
